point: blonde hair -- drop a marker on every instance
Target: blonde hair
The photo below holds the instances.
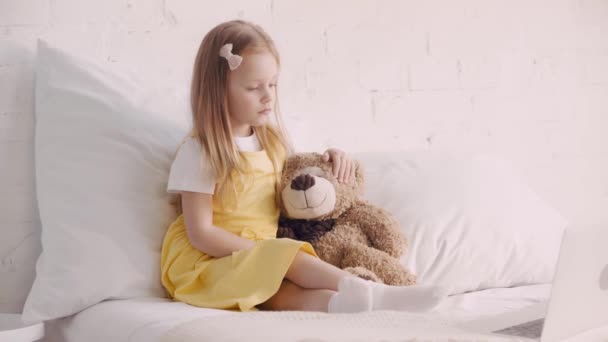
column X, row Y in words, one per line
column 210, row 112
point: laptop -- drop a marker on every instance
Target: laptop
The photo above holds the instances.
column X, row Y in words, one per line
column 579, row 294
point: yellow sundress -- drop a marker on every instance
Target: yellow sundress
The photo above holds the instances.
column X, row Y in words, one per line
column 247, row 277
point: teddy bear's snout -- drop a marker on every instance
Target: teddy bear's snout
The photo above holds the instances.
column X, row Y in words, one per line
column 303, row 182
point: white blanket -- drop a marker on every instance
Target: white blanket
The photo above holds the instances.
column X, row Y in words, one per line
column 311, row 326
column 148, row 319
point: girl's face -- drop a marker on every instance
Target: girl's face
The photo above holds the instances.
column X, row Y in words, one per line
column 252, row 92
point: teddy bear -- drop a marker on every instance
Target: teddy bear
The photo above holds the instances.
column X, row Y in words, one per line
column 344, row 230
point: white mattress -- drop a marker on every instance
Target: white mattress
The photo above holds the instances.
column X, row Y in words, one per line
column 147, row 319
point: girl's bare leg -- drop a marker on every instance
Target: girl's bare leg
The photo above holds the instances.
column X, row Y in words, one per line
column 293, row 297
column 310, row 272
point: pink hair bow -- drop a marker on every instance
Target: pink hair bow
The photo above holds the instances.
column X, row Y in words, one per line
column 233, row 60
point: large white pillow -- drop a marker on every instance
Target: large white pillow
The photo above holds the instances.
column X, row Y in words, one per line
column 104, row 142
column 471, row 220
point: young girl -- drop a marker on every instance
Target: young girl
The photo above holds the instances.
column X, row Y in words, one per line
column 222, row 251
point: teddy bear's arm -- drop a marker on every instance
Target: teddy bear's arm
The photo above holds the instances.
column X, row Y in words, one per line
column 380, row 227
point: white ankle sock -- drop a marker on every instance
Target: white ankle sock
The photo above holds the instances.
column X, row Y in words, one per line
column 352, row 296
column 356, row 295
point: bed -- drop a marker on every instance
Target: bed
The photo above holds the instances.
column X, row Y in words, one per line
column 473, row 224
column 158, row 319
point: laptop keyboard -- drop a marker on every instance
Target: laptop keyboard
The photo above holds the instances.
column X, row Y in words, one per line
column 532, row 329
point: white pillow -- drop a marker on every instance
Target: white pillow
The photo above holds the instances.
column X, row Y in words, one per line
column 472, row 223
column 104, row 142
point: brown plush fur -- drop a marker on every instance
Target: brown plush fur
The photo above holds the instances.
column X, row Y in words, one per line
column 351, row 234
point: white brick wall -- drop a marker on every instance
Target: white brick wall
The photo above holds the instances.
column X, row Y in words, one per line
column 527, row 80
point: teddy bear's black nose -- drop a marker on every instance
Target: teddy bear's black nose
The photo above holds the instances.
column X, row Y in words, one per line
column 303, row 182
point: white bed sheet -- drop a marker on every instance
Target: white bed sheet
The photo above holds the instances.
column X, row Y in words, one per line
column 147, row 319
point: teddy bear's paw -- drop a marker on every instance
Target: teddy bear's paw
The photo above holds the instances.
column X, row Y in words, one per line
column 403, row 278
column 364, row 273
column 411, row 279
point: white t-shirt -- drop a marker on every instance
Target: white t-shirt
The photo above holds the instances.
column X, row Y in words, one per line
column 190, row 173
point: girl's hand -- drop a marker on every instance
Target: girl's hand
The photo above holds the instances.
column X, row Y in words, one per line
column 343, row 166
